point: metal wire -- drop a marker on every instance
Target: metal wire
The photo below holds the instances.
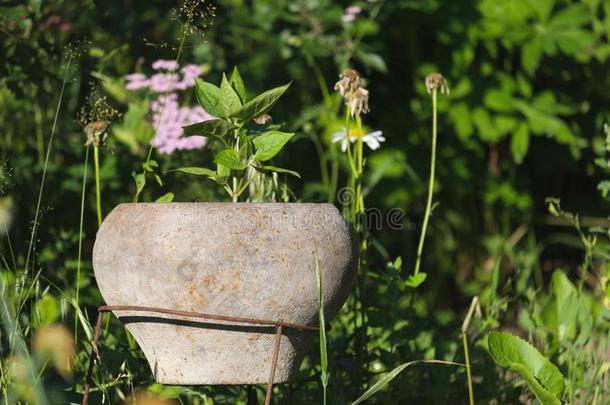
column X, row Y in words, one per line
column 203, row 318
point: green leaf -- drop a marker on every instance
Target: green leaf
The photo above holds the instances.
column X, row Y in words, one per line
column 140, row 179
column 519, row 143
column 213, row 128
column 278, row 170
column 325, row 376
column 499, row 100
column 571, row 17
column 259, row 104
column 229, row 158
column 531, row 53
column 543, row 8
column 415, row 280
column 222, row 171
column 210, row 98
column 134, row 130
column 47, row 308
column 195, row 171
column 519, row 356
column 230, row 99
column 238, row 84
column 383, row 381
column 165, row 198
column 604, row 187
column 270, row 143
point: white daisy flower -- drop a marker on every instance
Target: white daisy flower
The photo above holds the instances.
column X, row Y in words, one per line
column 373, row 139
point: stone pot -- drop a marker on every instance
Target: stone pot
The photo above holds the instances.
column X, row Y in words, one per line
column 236, row 259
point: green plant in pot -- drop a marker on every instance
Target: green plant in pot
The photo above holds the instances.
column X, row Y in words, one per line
column 247, row 259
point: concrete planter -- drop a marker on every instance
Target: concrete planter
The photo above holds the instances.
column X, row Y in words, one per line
column 243, row 260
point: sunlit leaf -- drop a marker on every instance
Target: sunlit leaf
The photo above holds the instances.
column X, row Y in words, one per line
column 260, row 104
column 229, row 158
column 269, row 144
column 517, row 355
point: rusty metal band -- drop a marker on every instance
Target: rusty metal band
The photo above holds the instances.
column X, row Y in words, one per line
column 279, row 326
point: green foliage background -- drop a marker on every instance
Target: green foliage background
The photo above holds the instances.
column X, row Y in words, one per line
column 529, row 96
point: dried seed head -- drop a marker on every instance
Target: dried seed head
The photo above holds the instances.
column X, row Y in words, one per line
column 95, row 116
column 358, row 102
column 96, row 133
column 437, row 81
column 264, row 119
column 348, row 82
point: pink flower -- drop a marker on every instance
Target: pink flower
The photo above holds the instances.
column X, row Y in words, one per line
column 162, row 82
column 354, row 10
column 163, row 64
column 347, row 18
column 168, row 117
column 350, row 13
column 136, row 81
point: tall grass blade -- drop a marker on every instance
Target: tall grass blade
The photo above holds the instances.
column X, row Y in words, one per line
column 392, row 374
column 323, row 353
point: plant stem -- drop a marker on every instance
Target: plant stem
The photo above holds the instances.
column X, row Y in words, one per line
column 44, row 173
column 80, row 242
column 474, row 310
column 98, row 195
column 422, row 236
column 235, row 192
column 324, row 377
column 468, row 373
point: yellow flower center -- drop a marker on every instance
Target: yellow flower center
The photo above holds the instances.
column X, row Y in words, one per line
column 355, row 133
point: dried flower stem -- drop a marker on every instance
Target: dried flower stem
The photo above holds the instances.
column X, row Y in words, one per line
column 422, row 236
column 98, row 194
column 80, row 241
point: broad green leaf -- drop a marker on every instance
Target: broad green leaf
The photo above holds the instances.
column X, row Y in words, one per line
column 165, row 198
column 531, row 53
column 604, row 187
column 571, row 17
column 270, row 143
column 519, row 143
column 519, row 356
column 230, row 99
column 499, row 100
column 213, row 128
column 278, row 170
column 543, row 8
column 259, row 104
column 210, row 98
column 222, row 171
column 195, row 171
column 47, row 308
column 134, row 130
column 238, row 84
column 229, row 158
column 415, row 280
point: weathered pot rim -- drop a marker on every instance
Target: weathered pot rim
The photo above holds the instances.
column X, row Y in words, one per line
column 227, row 203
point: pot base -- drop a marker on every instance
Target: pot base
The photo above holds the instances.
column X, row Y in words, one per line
column 185, row 362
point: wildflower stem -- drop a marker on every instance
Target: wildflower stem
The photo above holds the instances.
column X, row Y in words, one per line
column 350, row 158
column 98, row 195
column 178, row 55
column 80, row 242
column 468, row 372
column 422, row 236
column 44, row 173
